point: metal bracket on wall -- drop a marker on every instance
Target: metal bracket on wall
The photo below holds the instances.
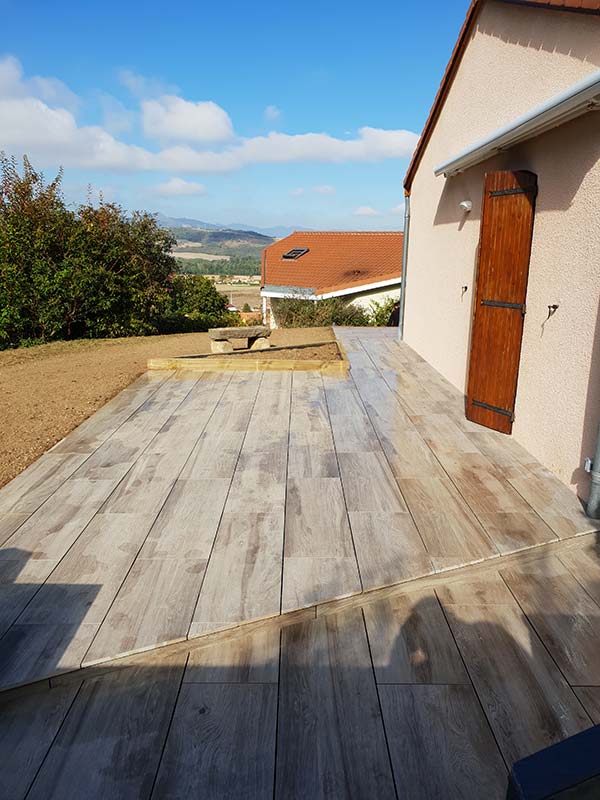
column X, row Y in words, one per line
column 503, row 192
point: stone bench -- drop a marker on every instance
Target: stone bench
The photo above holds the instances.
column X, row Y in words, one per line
column 254, row 337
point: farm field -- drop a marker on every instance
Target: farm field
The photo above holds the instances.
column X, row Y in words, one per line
column 187, row 255
column 239, row 294
column 48, row 390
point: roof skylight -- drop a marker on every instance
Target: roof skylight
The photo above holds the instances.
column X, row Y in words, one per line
column 296, row 252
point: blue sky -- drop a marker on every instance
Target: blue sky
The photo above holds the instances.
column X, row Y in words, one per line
column 264, row 113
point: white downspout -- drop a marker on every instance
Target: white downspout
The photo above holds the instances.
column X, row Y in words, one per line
column 404, row 266
column 593, row 504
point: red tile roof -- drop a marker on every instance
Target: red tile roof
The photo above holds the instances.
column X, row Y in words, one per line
column 582, row 6
column 335, row 261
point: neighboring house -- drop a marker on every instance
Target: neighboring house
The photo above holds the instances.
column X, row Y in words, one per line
column 503, row 299
column 358, row 265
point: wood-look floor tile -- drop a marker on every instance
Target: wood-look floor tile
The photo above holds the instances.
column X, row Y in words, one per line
column 330, row 733
column 411, row 642
column 221, row 743
column 440, row 743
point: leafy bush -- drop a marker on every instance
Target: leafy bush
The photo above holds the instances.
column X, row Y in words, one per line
column 296, row 312
column 196, row 294
column 380, row 311
column 90, row 272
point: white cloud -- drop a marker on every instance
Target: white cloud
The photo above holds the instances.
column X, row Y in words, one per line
column 171, row 117
column 371, row 144
column 36, row 121
column 324, row 189
column 141, row 86
column 297, row 192
column 366, row 211
column 398, row 209
column 13, row 84
column 178, row 187
column 272, row 113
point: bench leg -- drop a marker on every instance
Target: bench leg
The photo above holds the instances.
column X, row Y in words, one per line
column 221, row 347
column 260, row 344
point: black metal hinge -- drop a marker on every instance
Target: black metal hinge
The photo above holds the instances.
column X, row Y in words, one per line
column 504, row 192
column 504, row 411
column 501, row 304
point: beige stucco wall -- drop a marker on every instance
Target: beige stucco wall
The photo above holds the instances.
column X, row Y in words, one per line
column 518, row 57
column 364, row 299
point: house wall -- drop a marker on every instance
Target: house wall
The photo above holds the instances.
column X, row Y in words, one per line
column 364, row 299
column 516, row 58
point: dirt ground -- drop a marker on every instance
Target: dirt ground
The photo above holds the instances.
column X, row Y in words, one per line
column 322, row 352
column 48, row 390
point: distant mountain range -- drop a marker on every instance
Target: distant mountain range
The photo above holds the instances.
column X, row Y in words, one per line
column 276, row 231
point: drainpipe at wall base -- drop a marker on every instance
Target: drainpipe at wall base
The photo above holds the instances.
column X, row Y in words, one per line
column 593, row 504
column 404, row 266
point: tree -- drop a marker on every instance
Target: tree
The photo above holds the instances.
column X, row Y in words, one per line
column 93, row 271
column 196, row 294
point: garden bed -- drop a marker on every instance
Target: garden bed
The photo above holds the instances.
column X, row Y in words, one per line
column 323, row 356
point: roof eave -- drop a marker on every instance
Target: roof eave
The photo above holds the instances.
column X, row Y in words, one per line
column 580, row 98
column 452, row 69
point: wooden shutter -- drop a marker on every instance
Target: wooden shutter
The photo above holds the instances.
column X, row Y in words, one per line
column 504, row 251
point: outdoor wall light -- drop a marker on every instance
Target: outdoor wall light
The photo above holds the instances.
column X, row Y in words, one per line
column 466, row 206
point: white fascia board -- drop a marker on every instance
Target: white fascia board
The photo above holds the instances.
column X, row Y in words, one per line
column 366, row 288
column 338, row 293
column 575, row 101
column 299, row 295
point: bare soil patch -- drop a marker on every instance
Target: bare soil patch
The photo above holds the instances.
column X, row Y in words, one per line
column 314, row 352
column 48, row 390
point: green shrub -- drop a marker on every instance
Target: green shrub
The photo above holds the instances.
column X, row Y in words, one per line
column 196, row 294
column 296, row 312
column 380, row 311
column 89, row 272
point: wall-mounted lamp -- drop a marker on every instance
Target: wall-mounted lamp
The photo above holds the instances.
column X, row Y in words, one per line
column 466, row 206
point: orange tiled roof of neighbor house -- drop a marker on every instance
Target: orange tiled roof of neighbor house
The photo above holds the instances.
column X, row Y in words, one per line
column 334, row 260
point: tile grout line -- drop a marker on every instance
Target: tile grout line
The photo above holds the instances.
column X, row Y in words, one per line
column 54, row 738
column 379, row 703
column 277, row 712
column 337, row 461
column 285, row 498
column 169, row 726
